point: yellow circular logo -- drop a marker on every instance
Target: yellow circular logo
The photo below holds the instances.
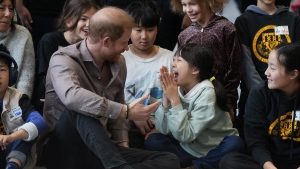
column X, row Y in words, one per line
column 265, row 40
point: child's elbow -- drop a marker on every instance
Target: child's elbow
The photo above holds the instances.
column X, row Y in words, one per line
column 38, row 120
column 42, row 126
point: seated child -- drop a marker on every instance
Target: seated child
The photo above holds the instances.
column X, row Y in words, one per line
column 143, row 61
column 193, row 119
column 272, row 122
column 20, row 124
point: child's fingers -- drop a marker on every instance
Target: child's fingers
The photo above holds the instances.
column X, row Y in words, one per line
column 165, row 69
column 162, row 82
column 161, row 73
column 3, row 147
column 166, row 78
column 161, row 70
column 172, row 79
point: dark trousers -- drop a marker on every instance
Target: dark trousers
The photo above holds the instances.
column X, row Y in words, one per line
column 160, row 142
column 79, row 141
column 242, row 161
column 18, row 149
column 136, row 138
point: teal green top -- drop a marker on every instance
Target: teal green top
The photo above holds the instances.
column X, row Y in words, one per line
column 197, row 123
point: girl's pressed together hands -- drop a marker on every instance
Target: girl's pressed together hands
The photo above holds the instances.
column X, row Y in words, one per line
column 169, row 87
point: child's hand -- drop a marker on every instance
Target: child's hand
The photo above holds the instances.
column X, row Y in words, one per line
column 124, row 144
column 169, row 86
column 144, row 126
column 151, row 132
column 5, row 140
column 269, row 165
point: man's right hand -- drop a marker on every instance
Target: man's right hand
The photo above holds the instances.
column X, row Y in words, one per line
column 140, row 112
column 24, row 14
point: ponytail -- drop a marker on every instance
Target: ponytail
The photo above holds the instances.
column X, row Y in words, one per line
column 221, row 97
column 203, row 58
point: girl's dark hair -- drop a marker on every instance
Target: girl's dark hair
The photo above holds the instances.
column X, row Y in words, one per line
column 12, row 25
column 73, row 9
column 288, row 56
column 203, row 58
column 146, row 13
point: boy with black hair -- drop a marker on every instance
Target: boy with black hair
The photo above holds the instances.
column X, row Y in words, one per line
column 261, row 28
column 20, row 124
column 245, row 4
column 143, row 62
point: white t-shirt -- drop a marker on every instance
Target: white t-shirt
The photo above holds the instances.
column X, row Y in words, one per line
column 143, row 75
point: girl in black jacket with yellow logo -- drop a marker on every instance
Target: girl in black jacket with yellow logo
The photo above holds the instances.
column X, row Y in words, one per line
column 272, row 116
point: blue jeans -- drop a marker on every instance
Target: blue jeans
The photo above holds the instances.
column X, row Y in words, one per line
column 213, row 157
column 79, row 141
column 160, row 142
column 18, row 149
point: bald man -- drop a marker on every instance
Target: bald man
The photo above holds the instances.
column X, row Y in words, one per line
column 84, row 108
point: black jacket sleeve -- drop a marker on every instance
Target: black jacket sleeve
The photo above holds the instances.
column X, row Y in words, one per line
column 256, row 125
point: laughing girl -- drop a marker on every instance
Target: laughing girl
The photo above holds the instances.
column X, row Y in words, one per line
column 193, row 119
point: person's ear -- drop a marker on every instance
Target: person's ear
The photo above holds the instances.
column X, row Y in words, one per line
column 294, row 74
column 68, row 22
column 195, row 71
column 106, row 41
